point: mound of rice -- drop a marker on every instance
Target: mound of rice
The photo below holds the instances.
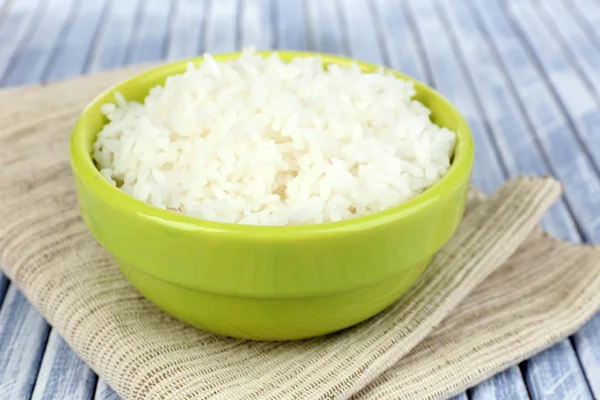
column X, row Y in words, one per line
column 262, row 142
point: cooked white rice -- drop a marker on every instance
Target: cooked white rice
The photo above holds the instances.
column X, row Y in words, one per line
column 262, row 142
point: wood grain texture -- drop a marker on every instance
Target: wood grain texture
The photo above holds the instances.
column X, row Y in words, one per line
column 363, row 47
column 104, row 392
column 579, row 104
column 185, row 34
column 573, row 41
column 550, row 123
column 62, row 374
column 398, row 40
column 516, row 142
column 556, row 374
column 33, row 56
column 363, row 43
column 150, row 34
column 587, row 13
column 325, row 26
column 17, row 26
column 70, row 56
column 23, row 336
column 587, row 344
column 289, row 20
column 115, row 35
column 506, row 385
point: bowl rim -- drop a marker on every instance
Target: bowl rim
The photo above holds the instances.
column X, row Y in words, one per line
column 84, row 167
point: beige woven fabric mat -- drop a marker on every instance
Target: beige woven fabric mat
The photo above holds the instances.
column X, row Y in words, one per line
column 496, row 294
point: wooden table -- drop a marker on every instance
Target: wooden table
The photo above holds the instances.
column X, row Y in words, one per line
column 525, row 73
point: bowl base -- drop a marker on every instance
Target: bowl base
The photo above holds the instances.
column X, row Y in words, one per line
column 272, row 318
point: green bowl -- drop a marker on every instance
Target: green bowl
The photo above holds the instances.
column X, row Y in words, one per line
column 265, row 282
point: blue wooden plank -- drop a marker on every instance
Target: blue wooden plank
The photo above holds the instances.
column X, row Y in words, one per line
column 448, row 77
column 17, row 26
column 516, row 142
column 23, row 335
column 587, row 13
column 545, row 116
column 462, row 396
column 63, row 375
column 362, row 35
column 150, row 39
column 290, row 25
column 104, row 392
column 256, row 24
column 569, row 32
column 398, row 39
column 556, row 374
column 355, row 17
column 324, row 23
column 115, row 35
column 587, row 344
column 186, row 30
column 571, row 90
column 32, row 58
column 73, row 49
column 507, row 385
column 221, row 26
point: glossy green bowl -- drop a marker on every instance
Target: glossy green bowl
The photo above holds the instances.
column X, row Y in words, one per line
column 262, row 282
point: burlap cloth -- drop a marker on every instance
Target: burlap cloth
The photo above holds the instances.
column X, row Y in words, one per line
column 497, row 293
